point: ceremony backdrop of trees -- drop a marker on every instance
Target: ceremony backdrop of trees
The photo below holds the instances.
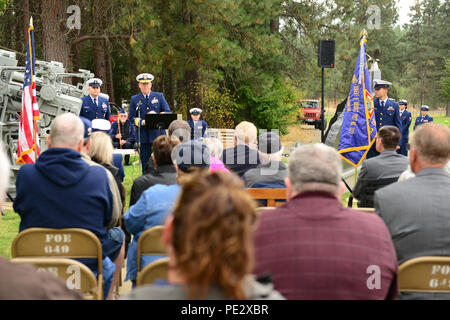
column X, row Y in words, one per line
column 237, row 59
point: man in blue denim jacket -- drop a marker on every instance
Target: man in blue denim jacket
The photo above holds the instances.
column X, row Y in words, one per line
column 156, row 203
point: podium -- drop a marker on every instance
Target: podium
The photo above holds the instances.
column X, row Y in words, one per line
column 159, row 121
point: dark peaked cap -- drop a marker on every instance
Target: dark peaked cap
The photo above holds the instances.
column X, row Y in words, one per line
column 190, row 154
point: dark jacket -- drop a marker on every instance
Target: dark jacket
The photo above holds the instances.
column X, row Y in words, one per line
column 126, row 130
column 314, row 248
column 199, row 131
column 155, row 102
column 62, row 191
column 269, row 174
column 388, row 164
column 240, row 159
column 91, row 111
column 165, row 174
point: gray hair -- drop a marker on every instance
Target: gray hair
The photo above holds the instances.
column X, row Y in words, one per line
column 315, row 167
column 267, row 157
column 67, row 130
column 215, row 146
column 245, row 133
column 432, row 143
column 180, row 129
column 4, row 172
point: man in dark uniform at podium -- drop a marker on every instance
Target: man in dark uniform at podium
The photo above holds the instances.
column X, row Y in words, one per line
column 146, row 102
column 387, row 111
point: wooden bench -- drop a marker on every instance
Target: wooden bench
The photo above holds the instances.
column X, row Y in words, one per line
column 271, row 195
column 224, row 135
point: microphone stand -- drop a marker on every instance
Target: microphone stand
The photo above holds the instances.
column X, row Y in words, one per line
column 138, row 112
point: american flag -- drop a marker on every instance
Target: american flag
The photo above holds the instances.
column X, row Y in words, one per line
column 28, row 145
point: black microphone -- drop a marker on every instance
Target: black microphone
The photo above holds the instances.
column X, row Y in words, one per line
column 139, row 105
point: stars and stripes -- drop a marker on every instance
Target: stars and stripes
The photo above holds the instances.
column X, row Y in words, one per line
column 28, row 144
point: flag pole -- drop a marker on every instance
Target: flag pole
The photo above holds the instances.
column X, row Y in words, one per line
column 31, row 27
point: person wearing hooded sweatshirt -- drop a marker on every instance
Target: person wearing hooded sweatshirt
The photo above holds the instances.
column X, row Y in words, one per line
column 62, row 191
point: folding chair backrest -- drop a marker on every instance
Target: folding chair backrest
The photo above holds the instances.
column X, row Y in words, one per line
column 425, row 274
column 368, row 210
column 75, row 274
column 150, row 243
column 63, row 243
column 155, row 270
column 366, row 198
column 271, row 195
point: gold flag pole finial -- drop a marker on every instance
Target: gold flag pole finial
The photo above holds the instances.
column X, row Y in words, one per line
column 31, row 21
column 363, row 34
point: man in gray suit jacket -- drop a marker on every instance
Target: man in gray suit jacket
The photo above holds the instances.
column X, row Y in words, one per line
column 388, row 164
column 416, row 211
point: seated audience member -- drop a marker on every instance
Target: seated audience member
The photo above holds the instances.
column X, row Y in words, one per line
column 117, row 201
column 215, row 146
column 117, row 160
column 416, row 211
column 101, row 151
column 122, row 134
column 388, row 164
column 179, row 129
column 242, row 156
column 313, row 247
column 272, row 171
column 24, row 282
column 155, row 203
column 61, row 190
column 210, row 244
column 164, row 171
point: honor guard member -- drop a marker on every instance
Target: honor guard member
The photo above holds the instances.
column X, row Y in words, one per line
column 94, row 106
column 423, row 118
column 122, row 134
column 198, row 127
column 146, row 102
column 387, row 111
column 406, row 118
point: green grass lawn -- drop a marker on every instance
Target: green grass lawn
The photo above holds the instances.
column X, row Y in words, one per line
column 9, row 227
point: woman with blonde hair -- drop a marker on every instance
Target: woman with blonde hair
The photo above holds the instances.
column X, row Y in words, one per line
column 101, row 152
column 210, row 243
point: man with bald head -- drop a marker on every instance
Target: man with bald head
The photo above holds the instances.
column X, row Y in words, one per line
column 61, row 190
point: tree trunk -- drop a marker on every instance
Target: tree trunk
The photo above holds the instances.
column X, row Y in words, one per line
column 20, row 36
column 109, row 76
column 275, row 25
column 191, row 76
column 26, row 18
column 55, row 40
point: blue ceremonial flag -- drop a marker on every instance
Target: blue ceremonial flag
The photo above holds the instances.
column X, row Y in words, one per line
column 358, row 129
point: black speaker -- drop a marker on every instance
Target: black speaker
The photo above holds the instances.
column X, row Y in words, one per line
column 326, row 53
